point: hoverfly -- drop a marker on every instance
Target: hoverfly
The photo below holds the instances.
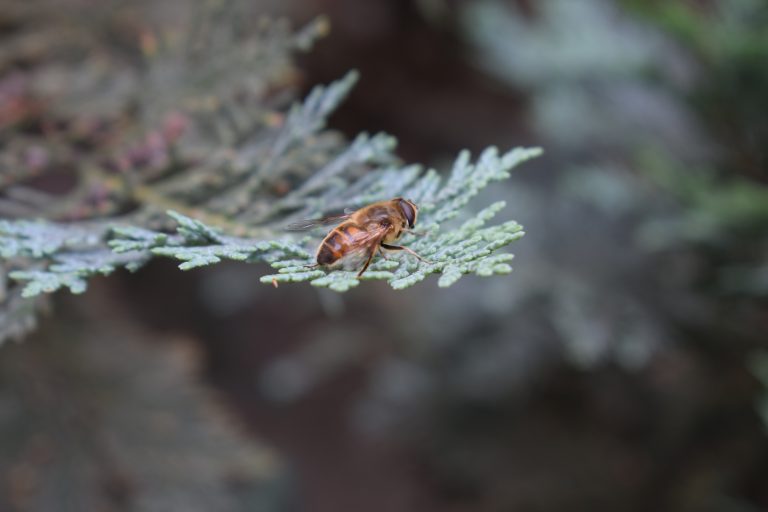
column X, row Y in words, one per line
column 362, row 233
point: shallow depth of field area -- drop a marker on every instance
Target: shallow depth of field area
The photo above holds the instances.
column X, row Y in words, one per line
column 165, row 344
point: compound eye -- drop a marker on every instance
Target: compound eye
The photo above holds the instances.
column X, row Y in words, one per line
column 409, row 211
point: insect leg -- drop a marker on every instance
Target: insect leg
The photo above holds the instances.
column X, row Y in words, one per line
column 368, row 261
column 406, row 249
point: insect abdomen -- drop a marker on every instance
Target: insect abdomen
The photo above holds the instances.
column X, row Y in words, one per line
column 326, row 255
column 336, row 244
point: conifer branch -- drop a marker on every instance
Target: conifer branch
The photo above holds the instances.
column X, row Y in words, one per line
column 219, row 168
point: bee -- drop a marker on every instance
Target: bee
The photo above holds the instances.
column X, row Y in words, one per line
column 363, row 233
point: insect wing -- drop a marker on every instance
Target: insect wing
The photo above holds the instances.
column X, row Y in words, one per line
column 305, row 224
column 362, row 244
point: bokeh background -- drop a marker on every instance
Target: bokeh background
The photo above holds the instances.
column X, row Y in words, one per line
column 618, row 368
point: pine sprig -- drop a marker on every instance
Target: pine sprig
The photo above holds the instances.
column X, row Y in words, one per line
column 72, row 255
column 72, row 269
column 463, row 250
column 18, row 316
column 222, row 247
column 39, row 239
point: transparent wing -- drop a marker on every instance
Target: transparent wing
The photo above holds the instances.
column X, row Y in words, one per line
column 363, row 243
column 305, row 224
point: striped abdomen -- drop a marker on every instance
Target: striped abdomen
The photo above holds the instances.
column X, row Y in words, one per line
column 339, row 243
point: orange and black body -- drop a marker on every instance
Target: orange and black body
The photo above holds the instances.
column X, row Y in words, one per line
column 339, row 242
column 365, row 232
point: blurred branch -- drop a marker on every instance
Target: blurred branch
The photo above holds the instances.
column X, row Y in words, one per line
column 94, row 419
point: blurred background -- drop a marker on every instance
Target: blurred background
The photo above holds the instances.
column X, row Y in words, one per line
column 622, row 366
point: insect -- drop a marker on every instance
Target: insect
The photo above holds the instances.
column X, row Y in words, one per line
column 363, row 233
